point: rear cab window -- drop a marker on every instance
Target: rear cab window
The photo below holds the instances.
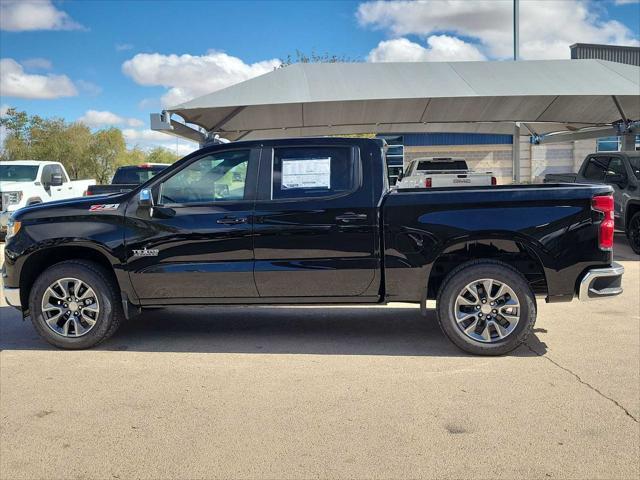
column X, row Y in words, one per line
column 442, row 165
column 313, row 172
column 596, row 168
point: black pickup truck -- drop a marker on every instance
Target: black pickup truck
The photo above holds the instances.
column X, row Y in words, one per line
column 310, row 221
column 127, row 178
column 621, row 170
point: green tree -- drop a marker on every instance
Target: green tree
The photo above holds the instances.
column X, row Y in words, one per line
column 161, row 155
column 314, row 57
column 85, row 154
column 106, row 153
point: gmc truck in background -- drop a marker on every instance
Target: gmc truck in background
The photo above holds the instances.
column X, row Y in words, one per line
column 29, row 182
column 620, row 170
column 432, row 172
column 310, row 221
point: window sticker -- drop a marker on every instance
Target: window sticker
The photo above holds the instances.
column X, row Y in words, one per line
column 306, row 173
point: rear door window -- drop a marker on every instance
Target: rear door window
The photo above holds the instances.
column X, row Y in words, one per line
column 304, row 172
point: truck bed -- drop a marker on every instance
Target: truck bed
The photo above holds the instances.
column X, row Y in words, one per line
column 553, row 221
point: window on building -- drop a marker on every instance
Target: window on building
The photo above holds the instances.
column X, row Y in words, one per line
column 612, row 144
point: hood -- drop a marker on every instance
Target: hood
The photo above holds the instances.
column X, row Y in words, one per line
column 41, row 210
column 13, row 186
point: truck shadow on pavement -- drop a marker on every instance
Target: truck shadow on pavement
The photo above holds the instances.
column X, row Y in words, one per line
column 268, row 330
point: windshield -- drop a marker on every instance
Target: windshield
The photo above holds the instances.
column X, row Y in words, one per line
column 18, row 173
column 635, row 165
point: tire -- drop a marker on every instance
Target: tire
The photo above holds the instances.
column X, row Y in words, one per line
column 101, row 295
column 502, row 333
column 633, row 232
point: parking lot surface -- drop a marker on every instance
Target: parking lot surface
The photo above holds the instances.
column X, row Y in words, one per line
column 329, row 392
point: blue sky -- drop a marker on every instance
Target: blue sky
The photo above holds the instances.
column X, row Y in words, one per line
column 123, row 59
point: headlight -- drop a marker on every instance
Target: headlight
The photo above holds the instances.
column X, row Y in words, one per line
column 13, row 226
column 11, row 198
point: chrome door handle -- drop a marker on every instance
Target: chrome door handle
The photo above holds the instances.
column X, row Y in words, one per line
column 351, row 217
column 232, row 220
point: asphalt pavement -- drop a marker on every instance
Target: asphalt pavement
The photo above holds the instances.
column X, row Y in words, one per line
column 331, row 392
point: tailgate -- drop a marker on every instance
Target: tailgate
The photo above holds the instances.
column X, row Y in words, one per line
column 461, row 180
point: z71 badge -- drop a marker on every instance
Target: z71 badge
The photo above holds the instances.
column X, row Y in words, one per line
column 104, row 207
column 146, row 253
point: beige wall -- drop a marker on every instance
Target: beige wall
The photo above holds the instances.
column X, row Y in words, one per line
column 535, row 160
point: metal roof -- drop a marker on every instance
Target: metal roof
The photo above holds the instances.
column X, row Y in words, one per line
column 483, row 97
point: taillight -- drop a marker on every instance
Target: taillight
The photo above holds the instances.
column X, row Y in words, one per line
column 427, row 182
column 86, row 193
column 604, row 204
column 494, row 181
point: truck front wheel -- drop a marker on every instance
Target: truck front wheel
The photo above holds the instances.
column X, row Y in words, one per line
column 486, row 307
column 75, row 304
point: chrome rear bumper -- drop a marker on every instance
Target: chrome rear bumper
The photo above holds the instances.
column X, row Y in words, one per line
column 601, row 283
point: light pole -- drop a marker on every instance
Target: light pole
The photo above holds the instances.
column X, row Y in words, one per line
column 516, row 29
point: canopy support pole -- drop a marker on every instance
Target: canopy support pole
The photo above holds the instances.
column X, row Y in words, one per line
column 515, row 153
column 628, row 142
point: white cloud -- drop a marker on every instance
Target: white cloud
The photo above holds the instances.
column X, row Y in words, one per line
column 149, row 139
column 121, row 47
column 101, row 118
column 626, row 2
column 24, row 15
column 89, row 88
column 440, row 48
column 546, row 29
column 188, row 76
column 14, row 82
column 37, row 63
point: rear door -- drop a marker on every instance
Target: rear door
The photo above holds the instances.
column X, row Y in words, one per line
column 315, row 225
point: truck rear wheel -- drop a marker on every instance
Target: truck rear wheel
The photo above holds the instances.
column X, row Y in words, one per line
column 486, row 307
column 75, row 304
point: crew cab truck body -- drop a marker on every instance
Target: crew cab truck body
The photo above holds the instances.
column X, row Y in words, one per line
column 433, row 172
column 310, row 221
column 29, row 182
column 620, row 170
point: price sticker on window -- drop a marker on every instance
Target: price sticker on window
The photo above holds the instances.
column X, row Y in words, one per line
column 306, row 173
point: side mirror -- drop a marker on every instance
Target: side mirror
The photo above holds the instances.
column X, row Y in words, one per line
column 56, row 180
column 145, row 199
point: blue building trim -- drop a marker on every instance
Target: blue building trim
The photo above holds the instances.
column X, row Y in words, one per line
column 434, row 139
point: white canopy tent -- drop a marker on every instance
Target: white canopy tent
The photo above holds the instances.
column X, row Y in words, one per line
column 549, row 98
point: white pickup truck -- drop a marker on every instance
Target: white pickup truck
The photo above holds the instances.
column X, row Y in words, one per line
column 432, row 172
column 27, row 182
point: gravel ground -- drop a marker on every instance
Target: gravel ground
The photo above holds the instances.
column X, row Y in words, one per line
column 326, row 393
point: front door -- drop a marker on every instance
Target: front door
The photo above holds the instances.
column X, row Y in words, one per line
column 195, row 244
column 315, row 226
